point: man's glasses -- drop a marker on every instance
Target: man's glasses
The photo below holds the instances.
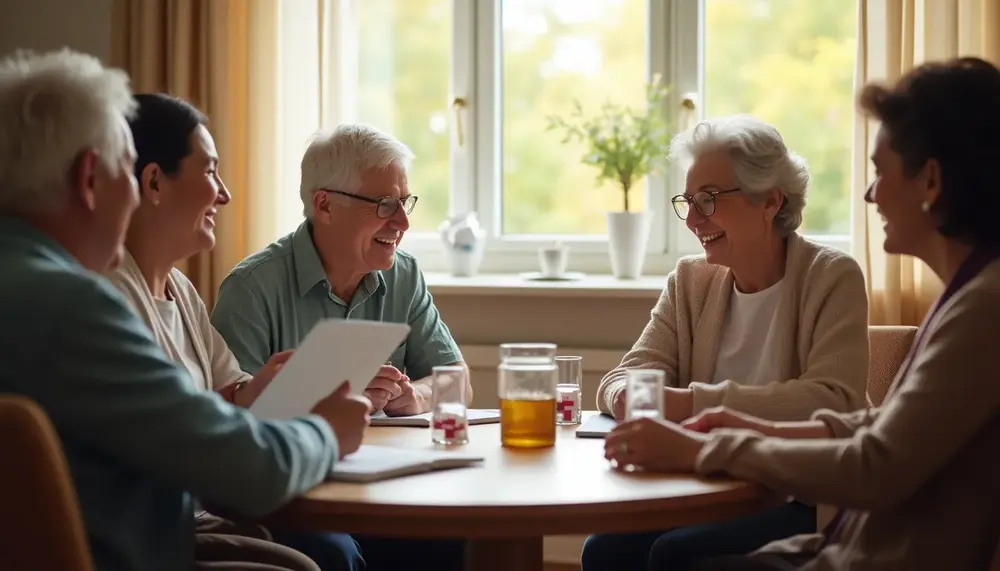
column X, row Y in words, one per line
column 703, row 201
column 386, row 206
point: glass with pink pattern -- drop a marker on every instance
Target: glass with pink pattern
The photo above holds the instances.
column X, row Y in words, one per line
column 449, row 414
column 569, row 389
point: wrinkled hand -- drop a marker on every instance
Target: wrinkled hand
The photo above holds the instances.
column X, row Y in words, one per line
column 653, row 445
column 384, row 387
column 264, row 376
column 347, row 415
column 721, row 417
column 407, row 403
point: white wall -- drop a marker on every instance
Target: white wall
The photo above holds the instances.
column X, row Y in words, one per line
column 41, row 25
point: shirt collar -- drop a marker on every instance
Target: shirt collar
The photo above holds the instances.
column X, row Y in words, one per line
column 309, row 269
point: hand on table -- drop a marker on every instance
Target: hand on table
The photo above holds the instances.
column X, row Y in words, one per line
column 347, row 416
column 677, row 404
column 385, row 387
column 408, row 402
column 721, row 417
column 654, row 445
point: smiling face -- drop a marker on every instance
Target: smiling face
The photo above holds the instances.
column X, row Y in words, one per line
column 356, row 237
column 739, row 229
column 186, row 203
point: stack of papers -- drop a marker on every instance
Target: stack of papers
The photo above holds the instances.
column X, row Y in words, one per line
column 475, row 416
column 373, row 463
column 596, row 426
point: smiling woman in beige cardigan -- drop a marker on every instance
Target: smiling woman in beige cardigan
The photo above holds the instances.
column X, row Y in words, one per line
column 765, row 322
column 917, row 479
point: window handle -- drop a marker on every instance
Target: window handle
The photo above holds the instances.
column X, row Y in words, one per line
column 457, row 105
column 689, row 110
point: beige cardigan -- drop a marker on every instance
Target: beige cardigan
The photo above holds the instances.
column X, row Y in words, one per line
column 218, row 365
column 824, row 361
column 921, row 474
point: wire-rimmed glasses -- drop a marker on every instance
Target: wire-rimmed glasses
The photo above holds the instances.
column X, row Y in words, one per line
column 703, row 201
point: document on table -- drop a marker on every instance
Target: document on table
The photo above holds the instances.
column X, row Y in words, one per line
column 335, row 351
column 373, row 463
column 474, row 415
column 597, row 426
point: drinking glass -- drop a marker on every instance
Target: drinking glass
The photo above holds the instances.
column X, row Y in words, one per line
column 569, row 389
column 449, row 415
column 527, row 389
column 644, row 393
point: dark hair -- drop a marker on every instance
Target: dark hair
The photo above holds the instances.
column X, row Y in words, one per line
column 949, row 111
column 162, row 127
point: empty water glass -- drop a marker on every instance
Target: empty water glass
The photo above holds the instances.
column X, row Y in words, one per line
column 644, row 393
column 449, row 413
column 569, row 389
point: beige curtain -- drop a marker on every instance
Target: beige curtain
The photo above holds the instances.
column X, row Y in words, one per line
column 893, row 37
column 220, row 55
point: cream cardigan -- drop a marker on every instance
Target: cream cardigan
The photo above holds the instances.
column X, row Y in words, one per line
column 218, row 365
column 824, row 341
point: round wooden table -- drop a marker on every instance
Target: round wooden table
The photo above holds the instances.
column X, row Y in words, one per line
column 505, row 506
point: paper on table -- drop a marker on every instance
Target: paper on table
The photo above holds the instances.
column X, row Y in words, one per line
column 373, row 463
column 474, row 416
column 334, row 351
column 597, row 426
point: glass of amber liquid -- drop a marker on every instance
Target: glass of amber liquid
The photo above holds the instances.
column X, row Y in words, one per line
column 527, row 389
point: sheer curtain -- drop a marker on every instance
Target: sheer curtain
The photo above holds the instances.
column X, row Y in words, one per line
column 223, row 56
column 893, row 37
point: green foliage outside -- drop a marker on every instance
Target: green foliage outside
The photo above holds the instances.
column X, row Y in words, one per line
column 789, row 62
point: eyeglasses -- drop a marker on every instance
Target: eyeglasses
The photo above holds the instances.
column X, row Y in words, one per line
column 703, row 201
column 387, row 205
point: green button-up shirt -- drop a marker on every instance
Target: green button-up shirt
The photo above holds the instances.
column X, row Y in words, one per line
column 273, row 298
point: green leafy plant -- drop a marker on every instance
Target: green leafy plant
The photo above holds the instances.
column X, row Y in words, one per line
column 625, row 144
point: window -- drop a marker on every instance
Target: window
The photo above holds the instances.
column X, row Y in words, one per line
column 468, row 85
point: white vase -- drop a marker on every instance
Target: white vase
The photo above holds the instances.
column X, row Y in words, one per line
column 464, row 241
column 628, row 236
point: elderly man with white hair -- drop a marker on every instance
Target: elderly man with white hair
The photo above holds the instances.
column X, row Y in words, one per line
column 140, row 440
column 765, row 322
column 343, row 262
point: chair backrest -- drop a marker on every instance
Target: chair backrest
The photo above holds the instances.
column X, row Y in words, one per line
column 42, row 526
column 888, row 346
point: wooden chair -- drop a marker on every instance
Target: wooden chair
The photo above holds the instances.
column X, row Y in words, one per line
column 38, row 504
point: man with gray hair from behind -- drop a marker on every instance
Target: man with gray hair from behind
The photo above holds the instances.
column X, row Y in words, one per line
column 140, row 440
column 344, row 262
column 764, row 322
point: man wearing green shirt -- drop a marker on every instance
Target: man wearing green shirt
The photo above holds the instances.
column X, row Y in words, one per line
column 342, row 262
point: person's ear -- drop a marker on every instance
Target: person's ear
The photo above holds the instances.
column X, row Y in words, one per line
column 931, row 174
column 322, row 206
column 149, row 183
column 773, row 202
column 84, row 178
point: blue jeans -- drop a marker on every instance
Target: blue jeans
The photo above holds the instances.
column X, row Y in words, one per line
column 342, row 552
column 682, row 548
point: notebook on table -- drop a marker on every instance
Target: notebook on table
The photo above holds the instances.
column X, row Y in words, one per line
column 597, row 426
column 475, row 416
column 372, row 463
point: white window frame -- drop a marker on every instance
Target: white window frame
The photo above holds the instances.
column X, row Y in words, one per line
column 675, row 48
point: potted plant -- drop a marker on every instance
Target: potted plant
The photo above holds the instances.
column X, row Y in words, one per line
column 625, row 145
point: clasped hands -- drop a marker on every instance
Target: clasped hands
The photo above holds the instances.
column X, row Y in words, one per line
column 391, row 391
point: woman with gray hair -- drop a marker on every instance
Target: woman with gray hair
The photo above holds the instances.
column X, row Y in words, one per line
column 765, row 322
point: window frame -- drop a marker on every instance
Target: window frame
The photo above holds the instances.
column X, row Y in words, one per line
column 674, row 40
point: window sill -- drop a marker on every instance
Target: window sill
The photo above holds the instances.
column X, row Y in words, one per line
column 590, row 286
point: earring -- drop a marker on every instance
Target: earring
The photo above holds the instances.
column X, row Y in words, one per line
column 925, row 206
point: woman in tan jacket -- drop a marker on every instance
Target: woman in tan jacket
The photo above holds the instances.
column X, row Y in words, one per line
column 917, row 479
column 764, row 322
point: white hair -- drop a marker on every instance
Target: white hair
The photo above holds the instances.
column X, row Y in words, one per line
column 53, row 106
column 761, row 161
column 335, row 159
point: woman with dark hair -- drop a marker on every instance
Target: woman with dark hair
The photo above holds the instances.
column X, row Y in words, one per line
column 181, row 193
column 917, row 479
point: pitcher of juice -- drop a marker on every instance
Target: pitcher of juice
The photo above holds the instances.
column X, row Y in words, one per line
column 527, row 388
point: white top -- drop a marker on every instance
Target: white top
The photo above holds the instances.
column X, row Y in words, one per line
column 173, row 325
column 748, row 351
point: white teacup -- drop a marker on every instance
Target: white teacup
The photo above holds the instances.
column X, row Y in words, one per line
column 553, row 260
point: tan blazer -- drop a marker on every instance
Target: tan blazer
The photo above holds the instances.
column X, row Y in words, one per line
column 824, row 337
column 920, row 475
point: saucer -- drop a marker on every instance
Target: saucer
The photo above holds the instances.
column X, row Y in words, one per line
column 540, row 277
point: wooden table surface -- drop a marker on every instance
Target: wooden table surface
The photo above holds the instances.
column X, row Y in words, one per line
column 515, row 497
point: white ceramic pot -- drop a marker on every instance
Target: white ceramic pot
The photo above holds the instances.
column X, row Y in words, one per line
column 628, row 236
